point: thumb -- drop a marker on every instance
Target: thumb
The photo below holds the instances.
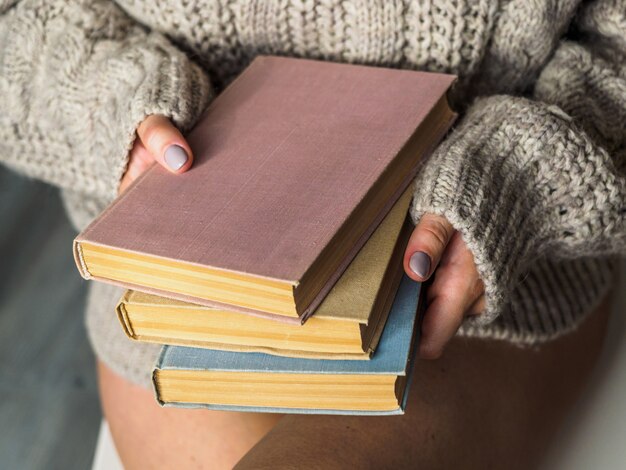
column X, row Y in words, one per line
column 426, row 246
column 165, row 143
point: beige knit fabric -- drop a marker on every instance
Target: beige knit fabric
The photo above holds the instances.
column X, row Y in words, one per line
column 532, row 175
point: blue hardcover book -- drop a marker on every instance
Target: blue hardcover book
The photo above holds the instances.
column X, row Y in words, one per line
column 240, row 381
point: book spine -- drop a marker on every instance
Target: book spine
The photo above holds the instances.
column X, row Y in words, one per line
column 395, row 270
column 124, row 318
column 79, row 259
column 156, row 386
column 332, row 280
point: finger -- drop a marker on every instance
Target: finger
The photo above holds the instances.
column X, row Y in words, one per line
column 459, row 260
column 165, row 143
column 455, row 289
column 477, row 307
column 426, row 246
column 138, row 162
column 441, row 322
column 456, row 273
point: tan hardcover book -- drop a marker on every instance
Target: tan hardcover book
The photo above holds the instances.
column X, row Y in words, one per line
column 296, row 164
column 346, row 325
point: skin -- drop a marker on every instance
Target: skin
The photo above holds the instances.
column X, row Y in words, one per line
column 147, row 436
column 154, row 136
column 480, row 403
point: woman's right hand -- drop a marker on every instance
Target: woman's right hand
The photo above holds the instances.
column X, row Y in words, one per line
column 436, row 248
column 158, row 140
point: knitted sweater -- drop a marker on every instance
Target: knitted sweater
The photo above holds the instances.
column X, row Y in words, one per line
column 532, row 175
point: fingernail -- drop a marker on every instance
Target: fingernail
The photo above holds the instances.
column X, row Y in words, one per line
column 420, row 263
column 175, row 157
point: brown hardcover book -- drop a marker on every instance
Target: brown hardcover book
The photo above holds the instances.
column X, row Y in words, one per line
column 296, row 163
column 346, row 325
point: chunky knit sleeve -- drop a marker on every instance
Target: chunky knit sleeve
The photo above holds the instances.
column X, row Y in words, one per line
column 587, row 77
column 520, row 178
column 76, row 78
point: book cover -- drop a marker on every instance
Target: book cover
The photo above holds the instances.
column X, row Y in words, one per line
column 191, row 370
column 296, row 163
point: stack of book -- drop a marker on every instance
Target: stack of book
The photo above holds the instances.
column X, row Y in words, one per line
column 272, row 270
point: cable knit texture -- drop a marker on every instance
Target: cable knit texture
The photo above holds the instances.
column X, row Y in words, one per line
column 521, row 182
column 76, row 78
column 532, row 175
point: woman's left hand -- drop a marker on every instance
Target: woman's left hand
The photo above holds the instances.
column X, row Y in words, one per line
column 435, row 248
